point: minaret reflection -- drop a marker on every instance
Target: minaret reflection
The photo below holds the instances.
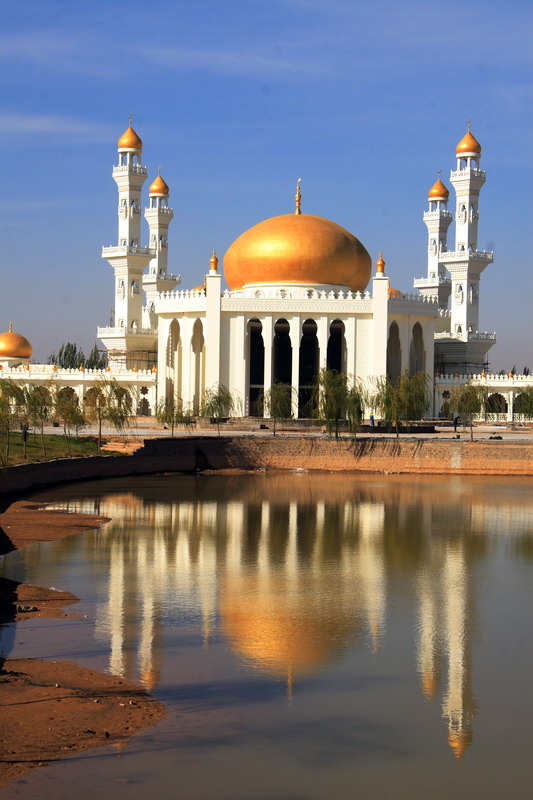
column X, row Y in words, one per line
column 458, row 705
column 289, row 574
column 445, row 632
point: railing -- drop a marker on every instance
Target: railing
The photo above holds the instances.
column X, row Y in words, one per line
column 126, row 250
column 164, row 210
column 473, row 336
column 429, row 215
column 438, row 281
column 183, row 294
column 131, row 169
column 49, row 371
column 122, row 331
column 468, row 173
column 463, row 255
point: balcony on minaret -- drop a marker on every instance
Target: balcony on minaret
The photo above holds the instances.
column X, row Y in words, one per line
column 130, row 169
column 467, row 255
column 433, row 281
column 127, row 250
column 434, row 215
column 153, row 211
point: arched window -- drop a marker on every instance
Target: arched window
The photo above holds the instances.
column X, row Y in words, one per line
column 394, row 353
column 417, row 353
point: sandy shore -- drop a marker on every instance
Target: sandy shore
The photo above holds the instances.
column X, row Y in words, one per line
column 52, row 709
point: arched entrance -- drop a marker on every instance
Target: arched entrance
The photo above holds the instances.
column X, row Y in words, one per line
column 336, row 355
column 198, row 365
column 394, row 352
column 497, row 403
column 308, row 369
column 173, row 361
column 282, row 368
column 256, row 367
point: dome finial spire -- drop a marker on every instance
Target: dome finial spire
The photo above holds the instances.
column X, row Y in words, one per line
column 130, row 120
column 298, row 197
column 10, row 326
column 469, row 122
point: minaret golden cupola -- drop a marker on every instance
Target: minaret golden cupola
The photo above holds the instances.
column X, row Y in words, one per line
column 468, row 145
column 130, row 140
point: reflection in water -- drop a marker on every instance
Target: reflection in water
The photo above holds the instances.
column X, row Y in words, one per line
column 293, row 572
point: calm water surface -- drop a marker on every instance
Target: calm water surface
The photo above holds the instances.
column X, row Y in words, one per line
column 313, row 636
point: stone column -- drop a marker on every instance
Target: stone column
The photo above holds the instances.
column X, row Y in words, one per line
column 268, row 341
column 295, row 334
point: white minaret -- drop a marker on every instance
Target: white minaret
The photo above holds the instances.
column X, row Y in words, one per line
column 466, row 263
column 127, row 342
column 437, row 219
column 159, row 216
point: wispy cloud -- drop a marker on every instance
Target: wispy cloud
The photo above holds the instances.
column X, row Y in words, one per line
column 59, row 128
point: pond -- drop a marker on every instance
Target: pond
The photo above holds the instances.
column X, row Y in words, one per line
column 313, row 636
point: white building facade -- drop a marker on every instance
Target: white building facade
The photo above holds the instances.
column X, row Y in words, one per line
column 300, row 297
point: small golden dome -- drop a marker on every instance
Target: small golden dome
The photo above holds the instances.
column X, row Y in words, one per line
column 213, row 262
column 13, row 345
column 129, row 140
column 199, row 288
column 468, row 144
column 297, row 249
column 159, row 186
column 395, row 293
column 380, row 265
column 459, row 742
column 438, row 191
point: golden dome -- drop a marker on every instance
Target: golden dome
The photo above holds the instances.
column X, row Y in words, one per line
column 380, row 264
column 468, row 144
column 159, row 186
column 213, row 262
column 297, row 249
column 129, row 140
column 13, row 345
column 266, row 625
column 438, row 191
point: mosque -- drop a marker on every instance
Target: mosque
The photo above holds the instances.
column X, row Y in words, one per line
column 301, row 296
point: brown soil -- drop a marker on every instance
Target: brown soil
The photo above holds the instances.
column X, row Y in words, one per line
column 21, row 601
column 28, row 521
column 53, row 709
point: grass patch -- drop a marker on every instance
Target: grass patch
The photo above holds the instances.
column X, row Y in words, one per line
column 55, row 447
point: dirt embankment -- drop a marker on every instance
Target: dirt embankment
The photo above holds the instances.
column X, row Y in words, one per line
column 53, row 709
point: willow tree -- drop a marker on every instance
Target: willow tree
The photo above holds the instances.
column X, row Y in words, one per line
column 219, row 403
column 404, row 398
column 277, row 402
column 469, row 400
column 170, row 412
column 107, row 401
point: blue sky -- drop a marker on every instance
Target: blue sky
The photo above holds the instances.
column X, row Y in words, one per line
column 236, row 99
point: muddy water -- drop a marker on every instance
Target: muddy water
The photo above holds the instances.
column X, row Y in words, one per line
column 313, row 636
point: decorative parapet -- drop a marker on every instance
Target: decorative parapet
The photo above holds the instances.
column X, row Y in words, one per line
column 55, row 373
column 439, row 280
column 473, row 336
column 128, row 250
column 130, row 169
column 154, row 212
column 122, row 331
column 431, row 215
column 510, row 381
column 415, row 298
column 466, row 255
column 468, row 173
column 445, row 313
